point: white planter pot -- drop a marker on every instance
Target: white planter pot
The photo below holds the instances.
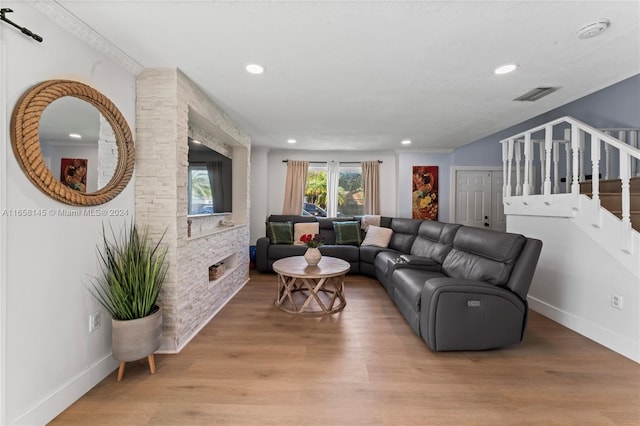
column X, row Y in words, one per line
column 312, row 256
column 136, row 339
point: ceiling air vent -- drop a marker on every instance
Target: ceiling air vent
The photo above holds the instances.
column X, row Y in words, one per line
column 535, row 94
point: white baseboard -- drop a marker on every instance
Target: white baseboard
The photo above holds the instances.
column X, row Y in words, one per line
column 195, row 333
column 614, row 341
column 47, row 409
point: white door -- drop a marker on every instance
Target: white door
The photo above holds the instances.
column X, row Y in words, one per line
column 479, row 199
column 498, row 219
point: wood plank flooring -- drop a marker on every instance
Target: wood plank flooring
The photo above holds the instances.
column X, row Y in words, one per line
column 256, row 365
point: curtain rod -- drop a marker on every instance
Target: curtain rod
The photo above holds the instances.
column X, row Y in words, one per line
column 341, row 162
column 24, row 30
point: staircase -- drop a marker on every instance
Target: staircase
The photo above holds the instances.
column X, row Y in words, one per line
column 547, row 172
column 611, row 197
column 590, row 228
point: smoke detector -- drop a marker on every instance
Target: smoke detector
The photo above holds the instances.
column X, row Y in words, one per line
column 593, row 29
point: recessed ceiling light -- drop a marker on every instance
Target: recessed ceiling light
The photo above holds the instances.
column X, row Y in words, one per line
column 75, row 135
column 291, row 141
column 505, row 69
column 406, row 142
column 255, row 69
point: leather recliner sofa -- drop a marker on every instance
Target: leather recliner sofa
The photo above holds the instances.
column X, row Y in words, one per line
column 458, row 287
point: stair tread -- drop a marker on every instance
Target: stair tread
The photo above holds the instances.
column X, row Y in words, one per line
column 620, row 211
column 612, row 193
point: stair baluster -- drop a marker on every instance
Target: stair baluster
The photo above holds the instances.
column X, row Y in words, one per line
column 575, row 147
column 556, row 154
column 548, row 144
column 633, row 141
column 567, row 161
column 625, row 171
column 518, row 169
column 526, row 186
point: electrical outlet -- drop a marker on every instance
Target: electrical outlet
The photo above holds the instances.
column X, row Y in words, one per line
column 616, row 301
column 94, row 321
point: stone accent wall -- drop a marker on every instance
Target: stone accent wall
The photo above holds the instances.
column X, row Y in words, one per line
column 107, row 153
column 168, row 104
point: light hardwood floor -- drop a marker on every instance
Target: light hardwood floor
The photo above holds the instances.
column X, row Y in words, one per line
column 256, row 365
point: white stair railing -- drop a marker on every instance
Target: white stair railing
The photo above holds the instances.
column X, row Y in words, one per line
column 628, row 136
column 574, row 136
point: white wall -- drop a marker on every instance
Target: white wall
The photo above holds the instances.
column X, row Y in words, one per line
column 49, row 357
column 406, row 161
column 259, row 193
column 574, row 281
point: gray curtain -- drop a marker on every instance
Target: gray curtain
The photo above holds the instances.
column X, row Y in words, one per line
column 214, row 170
column 371, row 183
column 294, row 186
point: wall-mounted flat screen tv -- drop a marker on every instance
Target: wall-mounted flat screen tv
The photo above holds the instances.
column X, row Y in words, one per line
column 210, row 180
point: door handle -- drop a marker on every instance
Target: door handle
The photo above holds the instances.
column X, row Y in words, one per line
column 486, row 224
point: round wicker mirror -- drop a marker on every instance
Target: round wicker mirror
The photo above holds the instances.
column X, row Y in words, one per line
column 25, row 140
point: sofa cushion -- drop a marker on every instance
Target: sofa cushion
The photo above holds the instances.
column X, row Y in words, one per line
column 280, row 232
column 382, row 260
column 294, row 218
column 404, row 233
column 302, row 228
column 345, row 252
column 409, row 284
column 483, row 255
column 368, row 254
column 377, row 236
column 347, row 233
column 279, row 251
column 434, row 240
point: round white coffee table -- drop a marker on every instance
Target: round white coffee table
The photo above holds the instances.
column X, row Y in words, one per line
column 311, row 290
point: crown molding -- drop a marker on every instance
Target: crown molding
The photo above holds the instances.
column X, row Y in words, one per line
column 67, row 20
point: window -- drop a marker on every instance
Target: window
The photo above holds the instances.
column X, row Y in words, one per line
column 350, row 190
column 200, row 200
column 315, row 193
column 348, row 196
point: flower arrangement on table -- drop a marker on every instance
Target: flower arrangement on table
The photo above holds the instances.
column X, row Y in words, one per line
column 312, row 241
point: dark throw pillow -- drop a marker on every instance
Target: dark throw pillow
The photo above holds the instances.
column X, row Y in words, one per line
column 347, row 233
column 280, row 232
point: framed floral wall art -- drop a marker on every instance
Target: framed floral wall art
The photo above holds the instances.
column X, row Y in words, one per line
column 424, row 195
column 73, row 173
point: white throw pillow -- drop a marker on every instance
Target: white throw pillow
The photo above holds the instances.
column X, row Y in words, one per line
column 301, row 228
column 377, row 236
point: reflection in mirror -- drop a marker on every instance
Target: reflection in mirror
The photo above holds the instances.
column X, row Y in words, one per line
column 91, row 176
column 210, row 180
column 78, row 144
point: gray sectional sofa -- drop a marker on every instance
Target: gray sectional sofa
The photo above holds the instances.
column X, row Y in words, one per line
column 458, row 287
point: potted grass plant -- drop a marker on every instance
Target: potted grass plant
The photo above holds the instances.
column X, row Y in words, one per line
column 133, row 269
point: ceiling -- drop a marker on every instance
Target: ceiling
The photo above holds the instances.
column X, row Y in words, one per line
column 364, row 75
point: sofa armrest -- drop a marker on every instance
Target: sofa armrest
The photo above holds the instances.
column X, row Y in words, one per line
column 262, row 254
column 459, row 314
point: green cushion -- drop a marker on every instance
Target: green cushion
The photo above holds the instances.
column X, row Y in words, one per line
column 347, row 232
column 280, row 232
